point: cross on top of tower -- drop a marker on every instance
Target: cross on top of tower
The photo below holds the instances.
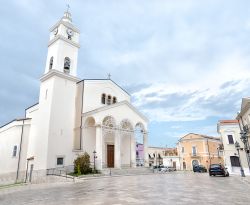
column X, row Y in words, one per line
column 109, row 76
column 68, row 7
column 67, row 14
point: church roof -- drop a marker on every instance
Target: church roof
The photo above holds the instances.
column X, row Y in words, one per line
column 15, row 120
column 105, row 80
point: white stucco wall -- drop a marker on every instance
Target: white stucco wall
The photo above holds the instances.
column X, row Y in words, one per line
column 169, row 161
column 53, row 125
column 89, row 141
column 93, row 90
column 10, row 135
column 61, row 127
column 125, row 149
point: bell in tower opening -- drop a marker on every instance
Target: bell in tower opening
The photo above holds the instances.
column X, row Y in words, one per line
column 67, row 65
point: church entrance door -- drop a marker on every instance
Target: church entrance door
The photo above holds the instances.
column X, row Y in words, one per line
column 110, row 156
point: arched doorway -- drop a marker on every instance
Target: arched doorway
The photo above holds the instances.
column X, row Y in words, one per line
column 195, row 162
column 109, row 126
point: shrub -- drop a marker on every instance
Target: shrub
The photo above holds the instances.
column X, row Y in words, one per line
column 82, row 164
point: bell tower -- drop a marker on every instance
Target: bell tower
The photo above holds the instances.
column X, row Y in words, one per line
column 63, row 46
column 55, row 119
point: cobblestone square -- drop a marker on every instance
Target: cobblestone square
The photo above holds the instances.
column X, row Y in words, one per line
column 169, row 188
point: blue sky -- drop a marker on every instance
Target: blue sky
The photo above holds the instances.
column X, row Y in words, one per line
column 186, row 63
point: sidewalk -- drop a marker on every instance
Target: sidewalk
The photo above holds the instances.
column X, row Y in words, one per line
column 246, row 179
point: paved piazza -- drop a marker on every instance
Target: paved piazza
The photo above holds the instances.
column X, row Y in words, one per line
column 169, row 188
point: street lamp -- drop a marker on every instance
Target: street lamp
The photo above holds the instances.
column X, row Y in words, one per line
column 94, row 158
column 244, row 139
column 237, row 146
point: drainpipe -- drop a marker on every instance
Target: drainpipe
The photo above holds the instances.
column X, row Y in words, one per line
column 81, row 116
column 19, row 154
column 208, row 153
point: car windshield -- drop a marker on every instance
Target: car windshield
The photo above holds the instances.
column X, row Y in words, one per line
column 215, row 165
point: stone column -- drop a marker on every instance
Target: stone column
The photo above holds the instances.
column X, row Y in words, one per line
column 132, row 151
column 145, row 149
column 117, row 150
column 98, row 147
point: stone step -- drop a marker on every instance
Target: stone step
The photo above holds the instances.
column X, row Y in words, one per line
column 127, row 171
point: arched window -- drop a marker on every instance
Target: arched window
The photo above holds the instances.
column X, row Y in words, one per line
column 51, row 62
column 103, row 98
column 114, row 100
column 109, row 100
column 66, row 65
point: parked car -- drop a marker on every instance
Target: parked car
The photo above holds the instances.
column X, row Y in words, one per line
column 157, row 167
column 164, row 169
column 171, row 169
column 199, row 168
column 218, row 169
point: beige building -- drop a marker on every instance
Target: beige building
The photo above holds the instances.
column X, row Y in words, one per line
column 198, row 149
column 230, row 133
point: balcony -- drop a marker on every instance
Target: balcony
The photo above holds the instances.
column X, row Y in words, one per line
column 194, row 155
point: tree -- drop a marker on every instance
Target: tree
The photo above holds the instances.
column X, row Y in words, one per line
column 82, row 164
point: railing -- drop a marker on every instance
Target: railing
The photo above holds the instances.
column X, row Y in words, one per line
column 194, row 155
column 61, row 171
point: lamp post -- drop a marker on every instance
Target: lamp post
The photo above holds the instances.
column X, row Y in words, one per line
column 94, row 158
column 244, row 138
column 237, row 146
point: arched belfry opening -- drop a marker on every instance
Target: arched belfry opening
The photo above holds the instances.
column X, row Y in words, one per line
column 103, row 98
column 51, row 62
column 67, row 63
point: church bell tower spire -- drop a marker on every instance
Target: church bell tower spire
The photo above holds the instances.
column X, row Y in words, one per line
column 63, row 46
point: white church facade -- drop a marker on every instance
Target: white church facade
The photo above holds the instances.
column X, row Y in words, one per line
column 71, row 117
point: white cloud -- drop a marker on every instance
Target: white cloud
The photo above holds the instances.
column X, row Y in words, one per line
column 190, row 104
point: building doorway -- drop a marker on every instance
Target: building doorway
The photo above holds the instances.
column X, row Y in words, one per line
column 110, row 156
column 174, row 164
column 184, row 166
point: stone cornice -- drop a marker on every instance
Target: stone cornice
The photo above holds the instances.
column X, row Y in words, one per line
column 113, row 106
column 64, row 39
column 52, row 73
column 201, row 139
column 69, row 25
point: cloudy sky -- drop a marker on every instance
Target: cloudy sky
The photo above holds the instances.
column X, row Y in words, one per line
column 186, row 63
